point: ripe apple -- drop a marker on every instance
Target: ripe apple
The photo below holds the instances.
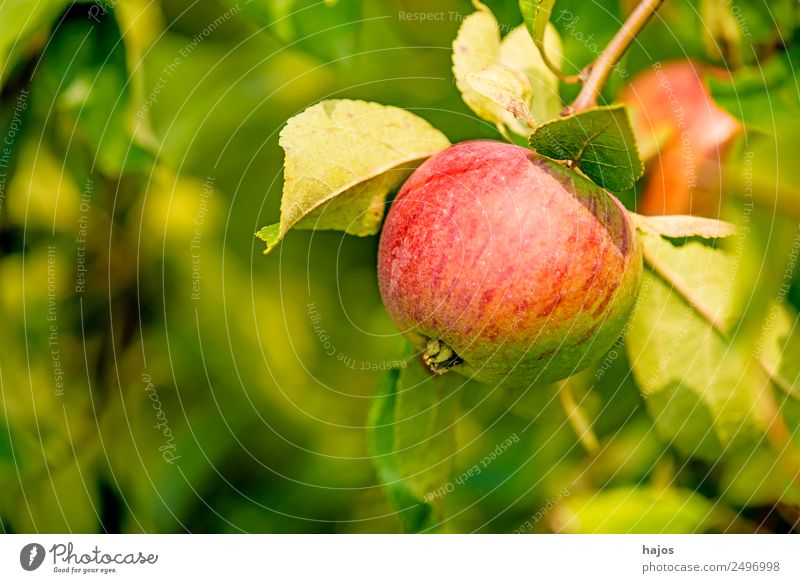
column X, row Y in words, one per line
column 506, row 266
column 674, row 113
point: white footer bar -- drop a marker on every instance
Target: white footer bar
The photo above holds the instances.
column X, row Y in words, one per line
column 401, row 559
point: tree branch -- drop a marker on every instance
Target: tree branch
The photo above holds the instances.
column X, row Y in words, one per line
column 598, row 72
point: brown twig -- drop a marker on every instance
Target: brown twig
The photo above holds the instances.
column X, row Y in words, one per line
column 598, row 72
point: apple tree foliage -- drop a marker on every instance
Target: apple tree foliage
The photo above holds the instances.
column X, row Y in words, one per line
column 712, row 350
column 689, row 343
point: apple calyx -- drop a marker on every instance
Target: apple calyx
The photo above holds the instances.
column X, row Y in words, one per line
column 439, row 357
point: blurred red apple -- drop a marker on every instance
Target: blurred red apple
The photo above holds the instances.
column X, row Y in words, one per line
column 506, row 266
column 676, row 119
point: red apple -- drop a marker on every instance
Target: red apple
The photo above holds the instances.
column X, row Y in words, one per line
column 672, row 107
column 506, row 266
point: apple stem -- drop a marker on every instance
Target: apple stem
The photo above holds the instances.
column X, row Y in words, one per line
column 577, row 418
column 598, row 72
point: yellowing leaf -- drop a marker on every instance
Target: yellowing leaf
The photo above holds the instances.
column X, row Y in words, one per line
column 508, row 88
column 721, row 33
column 342, row 158
column 478, row 50
column 476, row 47
column 517, row 51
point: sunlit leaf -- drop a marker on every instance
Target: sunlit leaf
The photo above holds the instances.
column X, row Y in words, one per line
column 21, row 19
column 742, row 32
column 518, row 52
column 478, row 50
column 683, row 226
column 721, row 33
column 703, row 392
column 638, row 511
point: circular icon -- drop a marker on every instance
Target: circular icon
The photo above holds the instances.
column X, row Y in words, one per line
column 31, row 556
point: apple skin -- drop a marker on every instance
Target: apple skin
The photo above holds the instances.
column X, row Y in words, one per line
column 673, row 102
column 523, row 268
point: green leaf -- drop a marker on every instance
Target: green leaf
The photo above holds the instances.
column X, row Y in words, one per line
column 343, row 158
column 414, row 513
column 326, row 30
column 755, row 479
column 478, row 51
column 536, row 14
column 275, row 17
column 66, row 494
column 780, row 348
column 21, row 19
column 703, row 391
column 763, row 97
column 683, row 226
column 412, row 439
column 83, row 78
column 7, row 456
column 638, row 511
column 424, row 430
column 599, row 141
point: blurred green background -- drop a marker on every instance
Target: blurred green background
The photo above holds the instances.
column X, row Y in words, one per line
column 159, row 374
